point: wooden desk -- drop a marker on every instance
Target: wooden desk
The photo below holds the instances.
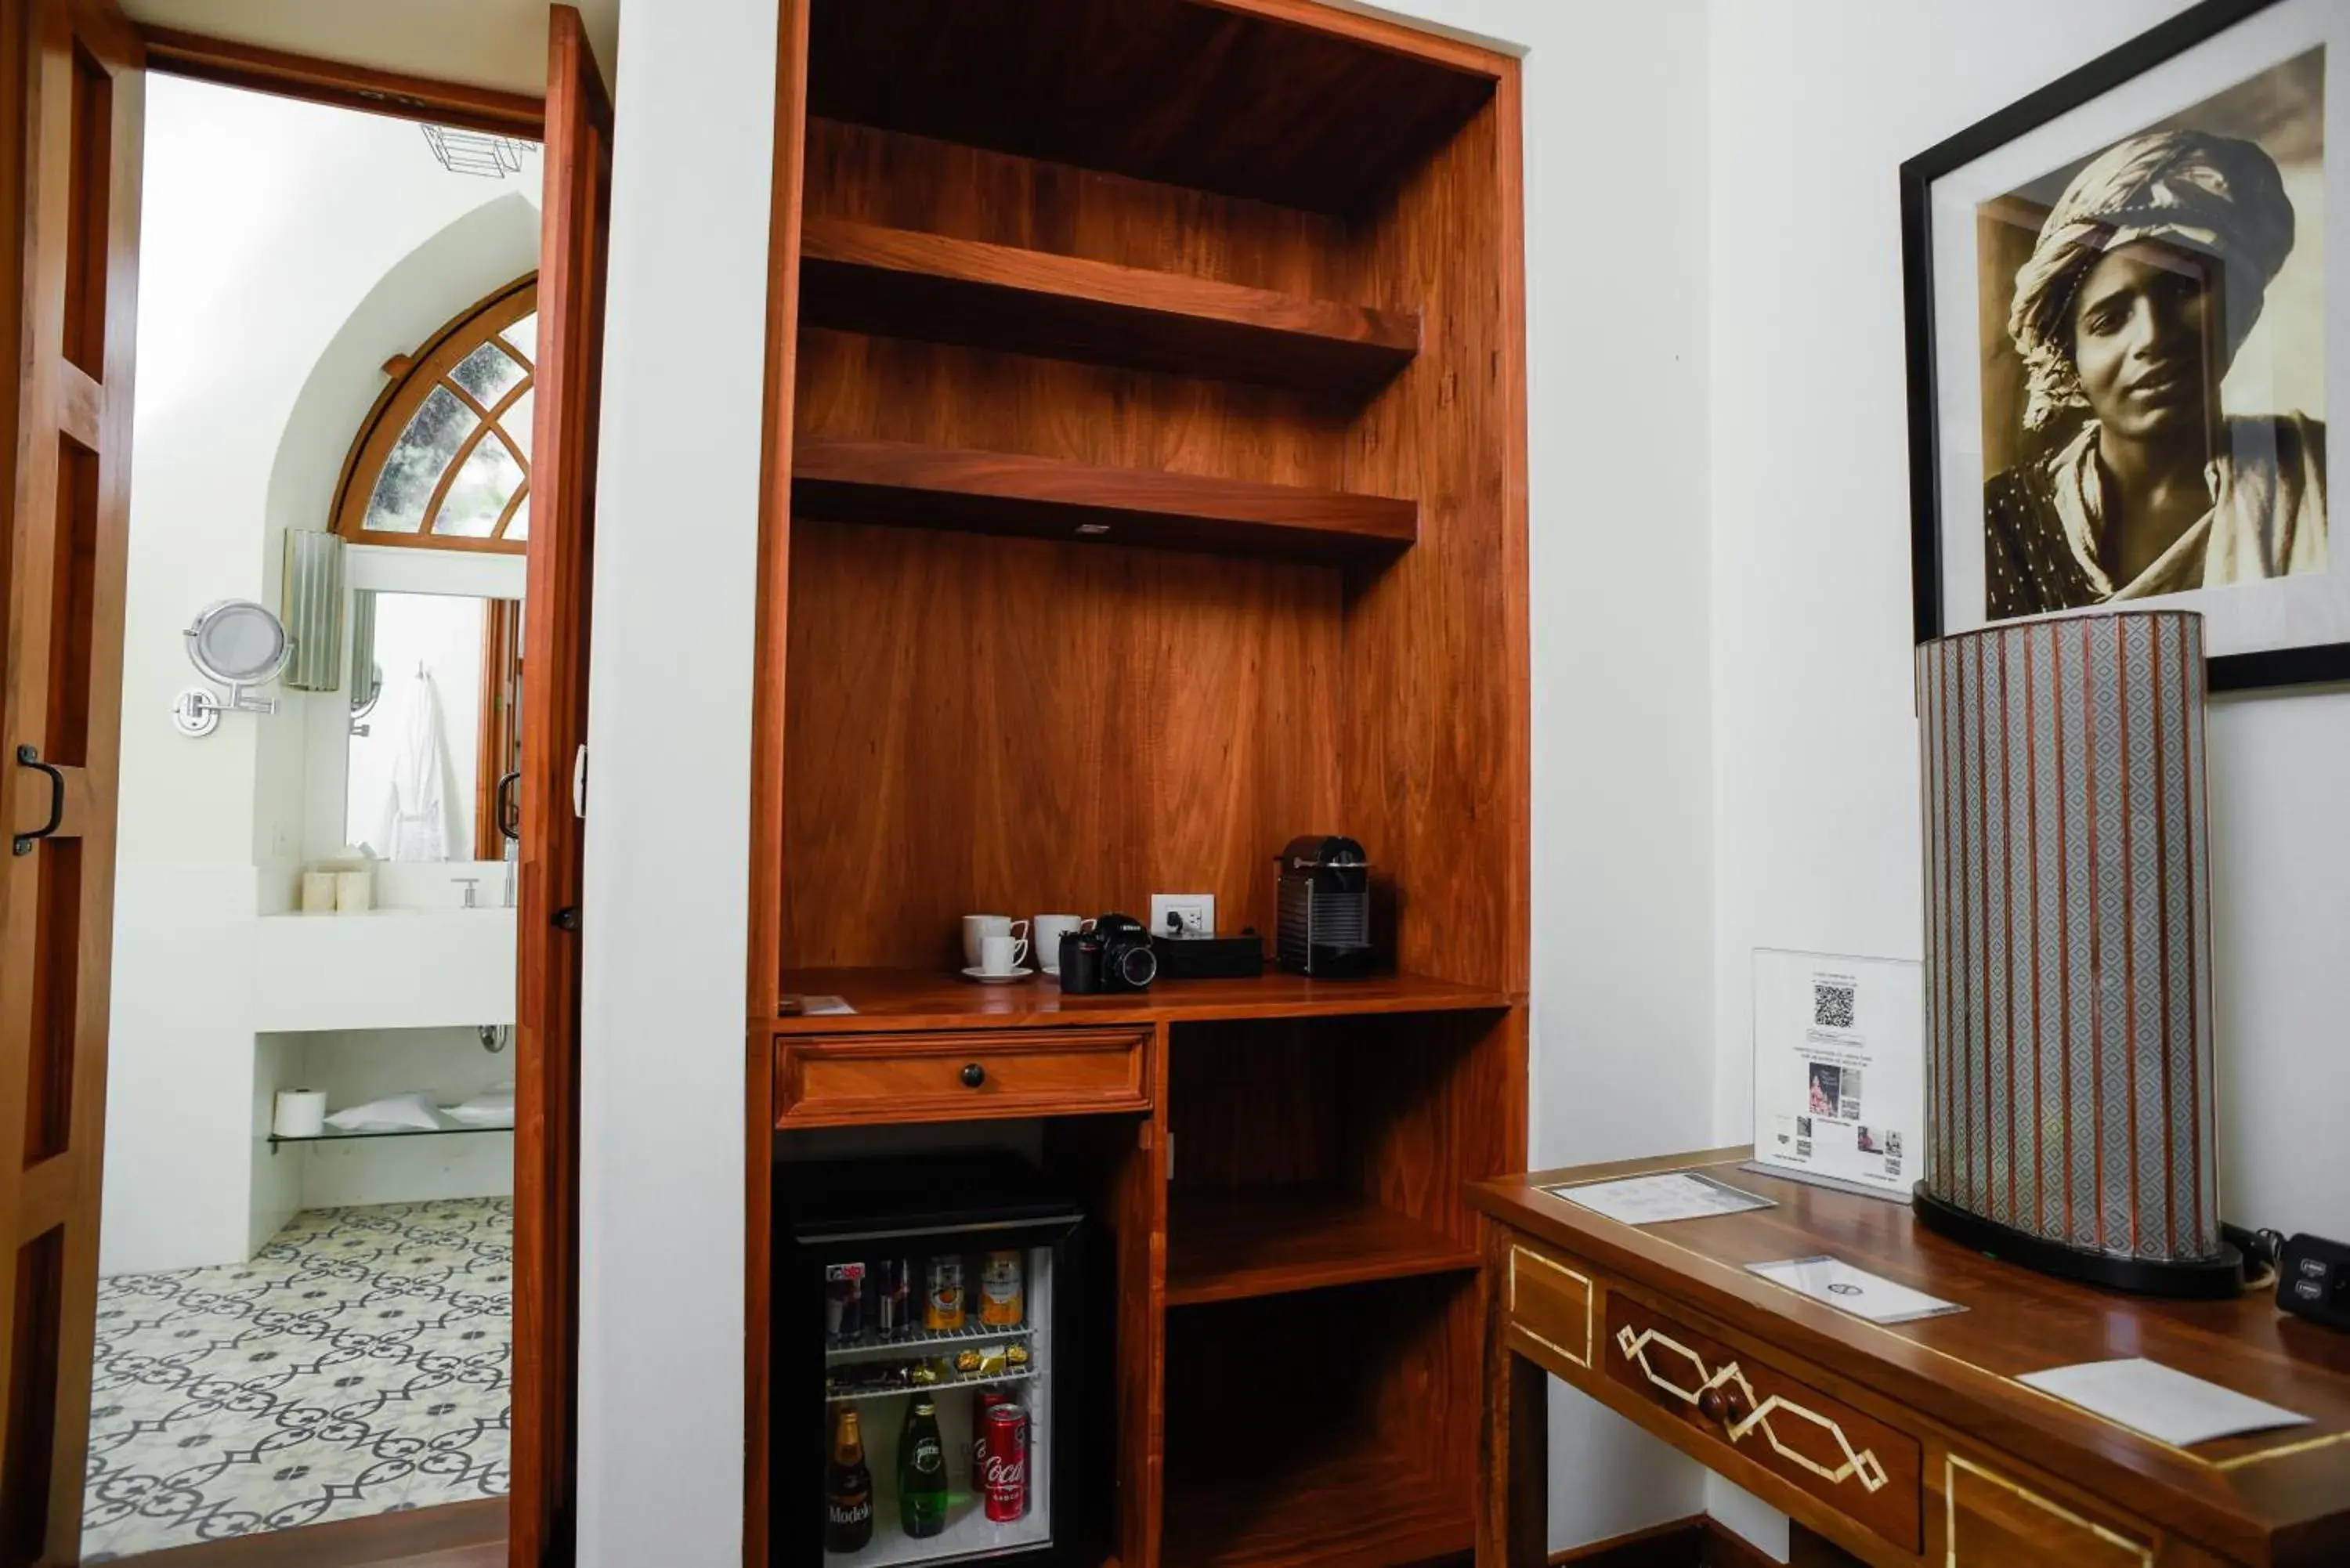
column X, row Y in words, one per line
column 1905, row 1444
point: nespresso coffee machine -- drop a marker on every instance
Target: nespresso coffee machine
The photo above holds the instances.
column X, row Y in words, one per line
column 1326, row 908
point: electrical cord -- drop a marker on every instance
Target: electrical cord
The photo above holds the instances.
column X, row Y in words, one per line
column 2261, row 1249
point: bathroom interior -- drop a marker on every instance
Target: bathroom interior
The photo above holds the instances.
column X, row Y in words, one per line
column 307, row 1262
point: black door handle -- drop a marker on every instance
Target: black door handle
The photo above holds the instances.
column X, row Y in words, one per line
column 566, row 918
column 30, row 757
column 507, row 807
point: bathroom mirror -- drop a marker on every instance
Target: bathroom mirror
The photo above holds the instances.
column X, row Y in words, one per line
column 435, row 747
column 234, row 643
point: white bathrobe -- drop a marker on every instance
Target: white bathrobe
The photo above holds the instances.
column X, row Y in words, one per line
column 418, row 821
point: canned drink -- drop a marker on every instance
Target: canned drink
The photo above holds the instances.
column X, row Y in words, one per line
column 1003, row 1466
column 983, row 1401
column 844, row 1303
column 942, row 1300
column 892, row 1290
column 1001, row 1303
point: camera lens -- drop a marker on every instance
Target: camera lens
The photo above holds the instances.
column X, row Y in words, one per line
column 1137, row 966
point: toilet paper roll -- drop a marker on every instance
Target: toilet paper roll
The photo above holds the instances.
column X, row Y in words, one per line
column 354, row 892
column 317, row 892
column 301, row 1113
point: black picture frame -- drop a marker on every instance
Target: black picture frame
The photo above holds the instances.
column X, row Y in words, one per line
column 2319, row 663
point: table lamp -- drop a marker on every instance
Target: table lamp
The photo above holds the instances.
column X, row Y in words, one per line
column 2070, row 1112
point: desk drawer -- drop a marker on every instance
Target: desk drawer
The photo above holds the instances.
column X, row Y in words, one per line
column 1999, row 1522
column 1852, row 1462
column 835, row 1080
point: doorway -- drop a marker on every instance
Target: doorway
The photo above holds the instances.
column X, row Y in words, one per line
column 298, row 940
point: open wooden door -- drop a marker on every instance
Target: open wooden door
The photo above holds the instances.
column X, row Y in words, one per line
column 70, row 112
column 554, row 751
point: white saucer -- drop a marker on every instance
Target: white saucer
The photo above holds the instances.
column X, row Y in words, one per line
column 1054, row 970
column 981, row 975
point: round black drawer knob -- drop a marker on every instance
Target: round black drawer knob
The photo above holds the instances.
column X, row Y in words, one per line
column 974, row 1075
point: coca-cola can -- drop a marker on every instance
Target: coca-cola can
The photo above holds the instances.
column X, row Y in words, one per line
column 1004, row 1460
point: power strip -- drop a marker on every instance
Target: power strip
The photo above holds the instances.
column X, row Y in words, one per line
column 2313, row 1280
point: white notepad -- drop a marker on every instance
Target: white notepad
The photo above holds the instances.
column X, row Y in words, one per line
column 2163, row 1403
column 1856, row 1291
column 1653, row 1199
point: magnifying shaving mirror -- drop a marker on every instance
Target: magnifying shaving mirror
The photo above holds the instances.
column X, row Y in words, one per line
column 238, row 644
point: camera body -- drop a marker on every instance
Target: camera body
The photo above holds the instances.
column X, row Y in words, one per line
column 1112, row 954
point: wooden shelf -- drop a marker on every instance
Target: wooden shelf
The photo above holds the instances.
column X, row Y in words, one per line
column 910, row 485
column 898, row 282
column 896, row 999
column 1342, row 1506
column 1229, row 1243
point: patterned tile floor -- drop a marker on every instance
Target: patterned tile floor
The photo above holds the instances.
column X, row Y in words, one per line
column 357, row 1365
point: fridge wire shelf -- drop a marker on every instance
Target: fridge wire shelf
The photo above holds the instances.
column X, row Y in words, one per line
column 918, row 1341
column 964, row 1380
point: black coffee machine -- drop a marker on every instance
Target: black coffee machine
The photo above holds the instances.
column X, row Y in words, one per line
column 1326, row 908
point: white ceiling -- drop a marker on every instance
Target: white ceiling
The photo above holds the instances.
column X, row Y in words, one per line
column 484, row 43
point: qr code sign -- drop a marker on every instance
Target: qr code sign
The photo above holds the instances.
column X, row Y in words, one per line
column 1831, row 1005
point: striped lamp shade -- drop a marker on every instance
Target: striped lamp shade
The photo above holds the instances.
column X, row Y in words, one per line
column 2069, row 1083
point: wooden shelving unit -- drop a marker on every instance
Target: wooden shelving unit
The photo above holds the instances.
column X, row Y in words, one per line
column 1146, row 487
column 910, row 485
column 1229, row 1243
column 901, row 282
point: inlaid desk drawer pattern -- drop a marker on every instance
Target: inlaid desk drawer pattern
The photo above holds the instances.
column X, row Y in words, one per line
column 1856, row 1464
column 832, row 1080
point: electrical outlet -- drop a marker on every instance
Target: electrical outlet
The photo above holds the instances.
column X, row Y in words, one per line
column 1194, row 914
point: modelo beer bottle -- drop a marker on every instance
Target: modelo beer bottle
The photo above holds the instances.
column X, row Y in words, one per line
column 922, row 1472
column 847, row 1487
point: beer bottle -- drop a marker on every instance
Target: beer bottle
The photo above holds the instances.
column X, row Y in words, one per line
column 923, row 1470
column 847, row 1487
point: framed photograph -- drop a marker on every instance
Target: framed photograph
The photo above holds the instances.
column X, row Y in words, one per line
column 2126, row 304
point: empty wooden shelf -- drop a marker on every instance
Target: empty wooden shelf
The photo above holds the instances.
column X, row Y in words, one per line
column 939, row 287
column 1227, row 1243
column 905, row 484
column 1320, row 1505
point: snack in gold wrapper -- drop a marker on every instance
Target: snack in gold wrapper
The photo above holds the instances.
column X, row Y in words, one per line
column 967, row 1361
column 1015, row 1356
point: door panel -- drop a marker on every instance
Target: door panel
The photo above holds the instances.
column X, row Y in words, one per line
column 69, row 162
column 578, row 171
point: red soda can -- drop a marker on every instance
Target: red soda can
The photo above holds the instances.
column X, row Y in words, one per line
column 986, row 1399
column 1004, row 1472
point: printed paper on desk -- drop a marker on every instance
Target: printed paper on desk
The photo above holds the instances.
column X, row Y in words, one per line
column 1856, row 1291
column 2167, row 1405
column 1839, row 1079
column 1653, row 1199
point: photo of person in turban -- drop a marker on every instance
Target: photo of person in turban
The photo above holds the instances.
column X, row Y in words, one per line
column 2131, row 478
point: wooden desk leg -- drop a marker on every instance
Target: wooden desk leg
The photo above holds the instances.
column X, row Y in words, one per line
column 1514, row 1472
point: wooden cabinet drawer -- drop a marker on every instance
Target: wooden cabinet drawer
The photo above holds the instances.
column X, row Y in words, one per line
column 1996, row 1522
column 832, row 1080
column 1853, row 1463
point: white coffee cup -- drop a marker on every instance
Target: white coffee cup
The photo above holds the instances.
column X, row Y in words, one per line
column 977, row 928
column 1049, row 929
column 1002, row 954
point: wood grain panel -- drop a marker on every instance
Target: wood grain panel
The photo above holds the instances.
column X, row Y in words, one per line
column 1850, row 1460
column 909, row 284
column 1013, row 726
column 911, row 485
column 551, row 853
column 1436, row 641
column 1997, row 1522
column 1193, row 95
column 1224, row 1244
column 870, row 1078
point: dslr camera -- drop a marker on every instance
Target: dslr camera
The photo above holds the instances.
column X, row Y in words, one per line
column 1113, row 953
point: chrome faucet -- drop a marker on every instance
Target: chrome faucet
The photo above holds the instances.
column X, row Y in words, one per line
column 469, row 883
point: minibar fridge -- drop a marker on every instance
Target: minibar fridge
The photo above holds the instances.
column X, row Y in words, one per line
column 929, row 1373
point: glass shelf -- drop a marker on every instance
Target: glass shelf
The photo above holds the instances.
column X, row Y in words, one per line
column 920, row 1340
column 449, row 1125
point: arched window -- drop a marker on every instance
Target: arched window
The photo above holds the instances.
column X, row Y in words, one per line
column 444, row 458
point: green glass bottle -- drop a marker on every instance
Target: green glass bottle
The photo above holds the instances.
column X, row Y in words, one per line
column 922, row 1472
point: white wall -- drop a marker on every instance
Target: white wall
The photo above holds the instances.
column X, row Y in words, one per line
column 666, row 904
column 1815, row 103
column 266, row 223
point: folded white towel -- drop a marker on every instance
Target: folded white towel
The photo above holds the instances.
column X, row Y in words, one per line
column 414, row 1109
column 490, row 1108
